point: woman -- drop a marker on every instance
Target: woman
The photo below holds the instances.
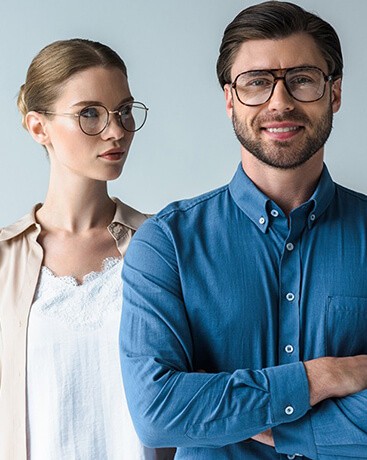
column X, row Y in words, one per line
column 61, row 394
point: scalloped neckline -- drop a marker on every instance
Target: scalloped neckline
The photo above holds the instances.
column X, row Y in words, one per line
column 107, row 264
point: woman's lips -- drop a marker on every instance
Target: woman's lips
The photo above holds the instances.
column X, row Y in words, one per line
column 112, row 155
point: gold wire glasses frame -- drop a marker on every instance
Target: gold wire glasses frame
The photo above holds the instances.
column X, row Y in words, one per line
column 304, row 84
column 93, row 119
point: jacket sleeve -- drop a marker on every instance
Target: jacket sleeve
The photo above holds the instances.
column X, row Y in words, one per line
column 170, row 403
column 1, row 353
column 335, row 428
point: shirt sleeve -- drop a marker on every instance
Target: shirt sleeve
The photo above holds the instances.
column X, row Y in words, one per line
column 171, row 404
column 334, row 428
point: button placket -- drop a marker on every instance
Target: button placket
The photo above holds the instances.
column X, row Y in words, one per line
column 290, row 279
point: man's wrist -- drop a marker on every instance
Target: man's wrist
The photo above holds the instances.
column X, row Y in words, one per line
column 319, row 379
column 335, row 377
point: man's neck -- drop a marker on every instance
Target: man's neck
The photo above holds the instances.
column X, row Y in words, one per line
column 288, row 188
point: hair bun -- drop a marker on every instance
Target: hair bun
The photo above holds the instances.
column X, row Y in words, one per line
column 22, row 106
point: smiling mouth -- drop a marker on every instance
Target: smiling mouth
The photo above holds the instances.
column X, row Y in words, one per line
column 283, row 130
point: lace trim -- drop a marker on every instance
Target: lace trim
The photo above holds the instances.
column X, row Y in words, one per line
column 87, row 305
column 107, row 264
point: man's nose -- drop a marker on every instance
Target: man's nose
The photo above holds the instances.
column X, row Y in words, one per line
column 280, row 99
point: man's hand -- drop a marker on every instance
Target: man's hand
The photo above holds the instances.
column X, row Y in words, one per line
column 266, row 437
column 336, row 377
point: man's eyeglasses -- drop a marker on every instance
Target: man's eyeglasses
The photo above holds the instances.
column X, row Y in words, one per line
column 305, row 84
column 93, row 119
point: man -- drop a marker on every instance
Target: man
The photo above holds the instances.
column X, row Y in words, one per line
column 245, row 309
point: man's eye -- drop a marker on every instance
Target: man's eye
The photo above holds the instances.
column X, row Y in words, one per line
column 259, row 82
column 90, row 112
column 301, row 80
column 256, row 83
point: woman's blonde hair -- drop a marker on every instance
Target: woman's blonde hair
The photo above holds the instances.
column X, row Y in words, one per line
column 55, row 64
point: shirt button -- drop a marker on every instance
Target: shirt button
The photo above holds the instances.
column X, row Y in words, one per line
column 289, row 410
column 291, row 457
column 290, row 296
column 290, row 246
column 312, row 217
column 274, row 213
column 262, row 220
column 289, row 349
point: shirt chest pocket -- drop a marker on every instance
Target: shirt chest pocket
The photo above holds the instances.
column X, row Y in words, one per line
column 346, row 326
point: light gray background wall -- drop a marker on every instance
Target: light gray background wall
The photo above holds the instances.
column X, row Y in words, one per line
column 170, row 47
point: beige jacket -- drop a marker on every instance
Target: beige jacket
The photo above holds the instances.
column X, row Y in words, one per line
column 20, row 262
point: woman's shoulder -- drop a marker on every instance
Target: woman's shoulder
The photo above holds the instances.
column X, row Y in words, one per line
column 20, row 226
column 128, row 216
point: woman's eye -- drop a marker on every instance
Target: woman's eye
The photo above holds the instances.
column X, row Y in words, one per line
column 90, row 112
column 126, row 110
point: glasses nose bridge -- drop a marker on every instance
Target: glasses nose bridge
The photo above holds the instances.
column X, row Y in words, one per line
column 116, row 114
column 276, row 79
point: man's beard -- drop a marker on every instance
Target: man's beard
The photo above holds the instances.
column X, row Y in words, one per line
column 282, row 155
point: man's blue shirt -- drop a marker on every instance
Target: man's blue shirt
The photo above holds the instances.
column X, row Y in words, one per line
column 226, row 284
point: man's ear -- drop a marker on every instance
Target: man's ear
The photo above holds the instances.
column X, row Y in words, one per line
column 228, row 95
column 336, row 95
column 36, row 125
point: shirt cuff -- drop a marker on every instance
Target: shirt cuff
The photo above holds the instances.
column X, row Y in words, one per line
column 295, row 438
column 290, row 397
column 293, row 433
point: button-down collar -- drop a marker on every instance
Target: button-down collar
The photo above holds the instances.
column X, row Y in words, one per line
column 257, row 206
column 250, row 199
column 322, row 196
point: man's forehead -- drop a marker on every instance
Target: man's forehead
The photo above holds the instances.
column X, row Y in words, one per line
column 294, row 51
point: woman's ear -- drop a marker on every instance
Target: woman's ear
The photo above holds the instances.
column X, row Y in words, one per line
column 36, row 125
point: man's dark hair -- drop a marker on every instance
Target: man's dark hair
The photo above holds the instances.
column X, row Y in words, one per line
column 277, row 20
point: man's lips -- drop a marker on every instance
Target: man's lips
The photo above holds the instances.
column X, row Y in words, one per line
column 282, row 131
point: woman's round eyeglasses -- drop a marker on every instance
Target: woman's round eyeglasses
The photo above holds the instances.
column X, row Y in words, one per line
column 93, row 119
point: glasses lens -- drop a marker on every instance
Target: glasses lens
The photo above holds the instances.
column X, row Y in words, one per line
column 93, row 119
column 254, row 87
column 305, row 84
column 133, row 116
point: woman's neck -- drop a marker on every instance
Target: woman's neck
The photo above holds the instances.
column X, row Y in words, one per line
column 76, row 205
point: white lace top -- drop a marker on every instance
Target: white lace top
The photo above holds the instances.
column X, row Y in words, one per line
column 76, row 404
